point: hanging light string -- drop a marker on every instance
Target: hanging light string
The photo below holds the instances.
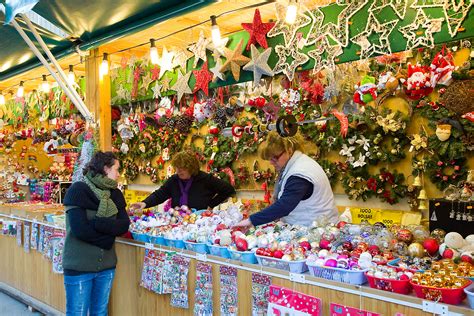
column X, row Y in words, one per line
column 153, row 40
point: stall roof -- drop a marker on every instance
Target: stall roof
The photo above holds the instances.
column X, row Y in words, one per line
column 88, row 24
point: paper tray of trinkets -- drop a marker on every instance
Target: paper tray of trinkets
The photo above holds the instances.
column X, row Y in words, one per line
column 356, row 277
column 446, row 295
column 297, row 266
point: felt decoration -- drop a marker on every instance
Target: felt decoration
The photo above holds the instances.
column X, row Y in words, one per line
column 257, row 30
column 366, row 90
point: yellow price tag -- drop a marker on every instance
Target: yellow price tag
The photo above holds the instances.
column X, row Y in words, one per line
column 390, row 217
column 360, row 214
column 132, row 196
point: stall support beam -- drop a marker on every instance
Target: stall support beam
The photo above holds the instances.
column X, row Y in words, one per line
column 98, row 98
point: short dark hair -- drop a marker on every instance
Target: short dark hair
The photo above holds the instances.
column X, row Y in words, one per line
column 99, row 161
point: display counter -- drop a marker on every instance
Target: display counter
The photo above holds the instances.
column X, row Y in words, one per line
column 32, row 273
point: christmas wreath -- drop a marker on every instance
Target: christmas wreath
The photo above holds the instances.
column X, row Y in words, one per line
column 444, row 172
column 388, row 186
column 356, row 186
column 331, row 170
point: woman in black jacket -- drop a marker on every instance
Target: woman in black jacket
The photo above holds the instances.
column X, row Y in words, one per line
column 95, row 215
column 189, row 186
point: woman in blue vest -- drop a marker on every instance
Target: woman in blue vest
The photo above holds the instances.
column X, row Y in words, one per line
column 302, row 191
column 95, row 215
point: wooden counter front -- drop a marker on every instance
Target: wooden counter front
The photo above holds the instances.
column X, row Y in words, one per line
column 32, row 274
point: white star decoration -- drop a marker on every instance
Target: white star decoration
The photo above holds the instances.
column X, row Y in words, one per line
column 156, row 90
column 146, row 82
column 180, row 58
column 122, row 94
column 165, row 62
column 288, row 30
column 282, row 66
column 382, row 46
column 218, row 51
column 331, row 52
column 216, row 73
column 429, row 26
column 199, row 49
column 455, row 14
column 339, row 31
column 399, row 6
column 259, row 64
column 181, row 86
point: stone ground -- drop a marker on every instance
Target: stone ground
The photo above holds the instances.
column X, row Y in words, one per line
column 11, row 307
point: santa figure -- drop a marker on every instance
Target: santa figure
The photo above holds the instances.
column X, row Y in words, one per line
column 418, row 83
column 366, row 90
column 442, row 68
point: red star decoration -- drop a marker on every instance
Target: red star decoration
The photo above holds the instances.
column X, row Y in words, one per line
column 257, row 30
column 203, row 77
column 155, row 72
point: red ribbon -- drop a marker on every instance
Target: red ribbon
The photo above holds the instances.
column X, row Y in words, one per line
column 343, row 120
column 230, row 173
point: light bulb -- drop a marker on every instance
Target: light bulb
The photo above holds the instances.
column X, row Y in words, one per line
column 104, row 67
column 45, row 85
column 71, row 77
column 215, row 32
column 2, row 99
column 291, row 12
column 21, row 90
column 154, row 58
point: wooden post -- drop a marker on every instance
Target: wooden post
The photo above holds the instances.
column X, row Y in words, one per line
column 98, row 98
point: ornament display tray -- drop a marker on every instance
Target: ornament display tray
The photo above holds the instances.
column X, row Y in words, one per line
column 340, row 275
column 244, row 256
column 141, row 237
column 219, row 251
column 390, row 285
column 298, row 266
column 445, row 295
column 196, row 247
column 158, row 240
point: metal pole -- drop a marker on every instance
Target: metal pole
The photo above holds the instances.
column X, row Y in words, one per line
column 76, row 98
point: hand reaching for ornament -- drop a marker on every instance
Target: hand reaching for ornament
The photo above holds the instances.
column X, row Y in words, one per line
column 246, row 223
column 138, row 206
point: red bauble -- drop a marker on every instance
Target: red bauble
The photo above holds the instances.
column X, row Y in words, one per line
column 374, row 250
column 362, row 246
column 306, row 245
column 431, row 245
column 278, row 254
column 214, row 130
column 260, row 102
column 467, row 258
column 404, row 277
column 260, row 251
column 347, row 245
column 241, row 244
column 341, row 224
column 324, row 244
column 448, row 254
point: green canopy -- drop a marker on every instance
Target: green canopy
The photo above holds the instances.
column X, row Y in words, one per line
column 88, row 23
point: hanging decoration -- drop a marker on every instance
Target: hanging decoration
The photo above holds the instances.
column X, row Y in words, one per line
column 289, row 51
column 182, row 87
column 260, row 293
column 259, row 64
column 382, row 45
column 234, row 60
column 257, row 31
column 179, row 296
column 398, row 6
column 216, row 71
column 412, row 31
column 203, row 290
column 199, row 49
column 228, row 291
column 288, row 30
column 218, row 50
column 325, row 55
column 455, row 13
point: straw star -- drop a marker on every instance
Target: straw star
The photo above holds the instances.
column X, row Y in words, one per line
column 234, row 60
column 203, row 77
column 146, row 82
column 199, row 49
column 259, row 64
column 218, row 50
column 180, row 59
column 165, row 63
column 217, row 74
column 156, row 90
column 181, row 86
column 257, row 30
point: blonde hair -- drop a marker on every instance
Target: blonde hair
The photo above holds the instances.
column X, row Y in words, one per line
column 275, row 145
column 186, row 160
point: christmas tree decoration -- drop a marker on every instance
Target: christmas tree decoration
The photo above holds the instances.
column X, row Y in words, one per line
column 288, row 30
column 337, row 31
column 156, row 90
column 284, row 52
column 165, row 83
column 199, row 49
column 218, row 50
column 216, row 71
column 325, row 55
column 121, row 94
column 181, row 86
column 155, row 73
column 259, row 64
column 381, row 45
column 234, row 60
column 398, row 6
column 146, row 80
column 203, row 290
column 166, row 62
column 420, row 31
column 203, row 77
column 455, row 13
column 257, row 30
column 418, row 83
column 180, row 58
column 366, row 90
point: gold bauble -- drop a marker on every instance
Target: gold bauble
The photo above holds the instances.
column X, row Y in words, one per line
column 416, row 250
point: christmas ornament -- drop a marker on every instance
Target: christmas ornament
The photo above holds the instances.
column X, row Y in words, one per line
column 431, row 245
column 234, row 60
column 442, row 68
column 259, row 64
column 412, row 31
column 443, row 132
column 416, row 250
column 155, row 73
column 156, row 90
column 455, row 13
column 288, row 30
column 203, row 77
column 337, row 31
column 418, row 83
column 146, row 80
column 166, row 62
column 399, row 6
column 180, row 58
column 218, row 50
column 381, row 31
column 199, row 49
column 325, row 55
column 181, row 86
column 257, row 30
column 216, row 71
column 366, row 91
column 284, row 52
